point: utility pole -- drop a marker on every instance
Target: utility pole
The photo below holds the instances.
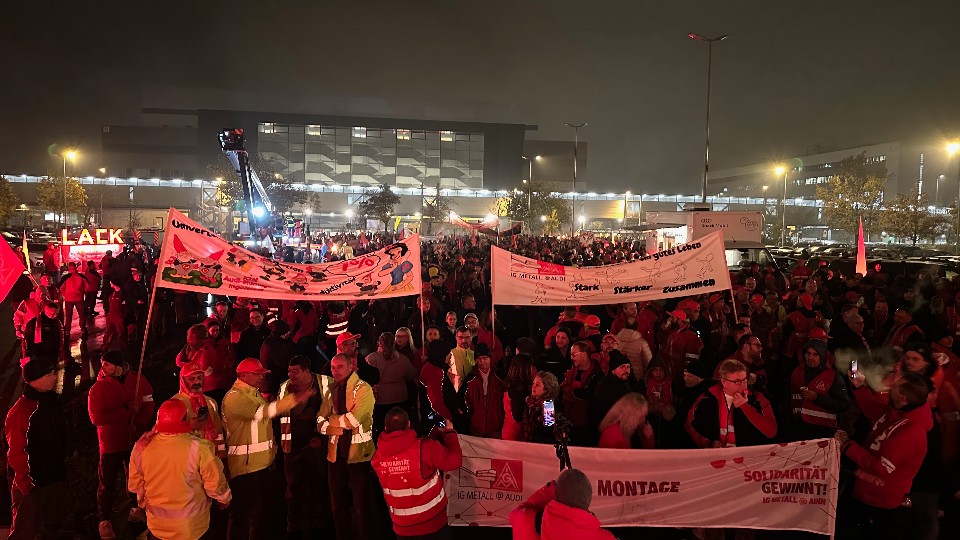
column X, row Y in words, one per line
column 573, row 201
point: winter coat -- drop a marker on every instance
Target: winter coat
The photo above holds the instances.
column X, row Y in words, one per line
column 634, row 347
column 110, row 404
column 485, row 409
column 559, row 520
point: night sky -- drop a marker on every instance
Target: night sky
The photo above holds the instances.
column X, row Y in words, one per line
column 791, row 76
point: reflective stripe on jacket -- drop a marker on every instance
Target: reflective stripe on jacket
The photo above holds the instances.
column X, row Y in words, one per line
column 174, row 477
column 246, row 416
column 807, row 409
column 286, row 436
column 358, row 418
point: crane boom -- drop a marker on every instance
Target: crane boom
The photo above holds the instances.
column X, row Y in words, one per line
column 254, row 194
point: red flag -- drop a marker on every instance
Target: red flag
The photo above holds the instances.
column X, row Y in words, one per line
column 861, row 252
column 10, row 269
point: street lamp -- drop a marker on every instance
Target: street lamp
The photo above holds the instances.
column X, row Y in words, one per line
column 781, row 170
column 576, row 143
column 952, row 148
column 530, row 178
column 23, row 208
column 69, row 154
column 706, row 152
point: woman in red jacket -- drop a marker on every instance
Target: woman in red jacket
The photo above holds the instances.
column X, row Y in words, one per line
column 625, row 424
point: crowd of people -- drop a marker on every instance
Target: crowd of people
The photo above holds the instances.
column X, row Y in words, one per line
column 331, row 399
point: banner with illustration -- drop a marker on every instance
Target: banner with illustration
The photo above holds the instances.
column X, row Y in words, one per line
column 686, row 269
column 195, row 259
column 780, row 487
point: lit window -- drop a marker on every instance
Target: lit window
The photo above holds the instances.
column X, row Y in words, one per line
column 267, row 128
column 403, row 134
column 446, row 136
column 360, row 132
column 314, row 130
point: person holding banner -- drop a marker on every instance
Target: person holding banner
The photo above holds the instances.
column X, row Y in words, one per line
column 560, row 509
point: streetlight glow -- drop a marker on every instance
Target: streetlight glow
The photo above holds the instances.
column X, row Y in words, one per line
column 308, row 211
column 348, row 213
column 543, row 218
column 953, row 148
column 582, row 219
column 780, row 170
column 70, row 154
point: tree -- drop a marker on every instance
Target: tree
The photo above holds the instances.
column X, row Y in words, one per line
column 50, row 195
column 909, row 216
column 435, row 210
column 283, row 194
column 542, row 202
column 379, row 204
column 8, row 200
column 855, row 190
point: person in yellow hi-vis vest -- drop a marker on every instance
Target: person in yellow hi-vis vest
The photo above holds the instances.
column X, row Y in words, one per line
column 175, row 474
column 348, row 420
column 304, row 451
column 250, row 447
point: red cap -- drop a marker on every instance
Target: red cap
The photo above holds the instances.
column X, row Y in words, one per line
column 807, row 300
column 679, row 314
column 251, row 365
column 757, row 299
column 592, row 321
column 818, row 333
column 714, row 298
column 689, row 303
column 172, row 418
column 346, row 336
column 190, row 368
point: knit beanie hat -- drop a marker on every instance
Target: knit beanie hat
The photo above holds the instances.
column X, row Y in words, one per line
column 573, row 489
column 114, row 357
column 36, row 368
column 617, row 359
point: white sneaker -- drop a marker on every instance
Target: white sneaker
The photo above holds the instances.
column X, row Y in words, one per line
column 106, row 530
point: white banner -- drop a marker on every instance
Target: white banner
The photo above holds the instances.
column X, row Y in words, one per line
column 780, row 487
column 687, row 269
column 195, row 259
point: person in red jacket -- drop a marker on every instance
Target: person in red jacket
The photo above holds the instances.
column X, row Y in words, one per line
column 891, row 455
column 562, row 509
column 411, row 474
column 35, row 453
column 73, row 288
column 121, row 411
column 683, row 344
column 485, row 397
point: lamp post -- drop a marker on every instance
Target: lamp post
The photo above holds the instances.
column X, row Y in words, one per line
column 781, row 170
column 573, row 198
column 706, row 153
column 23, row 215
column 530, row 178
column 68, row 154
column 953, row 148
column 936, row 201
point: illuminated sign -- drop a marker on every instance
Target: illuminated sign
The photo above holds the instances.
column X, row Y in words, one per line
column 91, row 244
column 99, row 237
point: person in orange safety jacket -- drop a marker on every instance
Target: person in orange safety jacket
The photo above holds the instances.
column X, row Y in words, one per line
column 175, row 474
column 411, row 474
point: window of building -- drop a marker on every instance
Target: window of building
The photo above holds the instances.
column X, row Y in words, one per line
column 360, row 132
column 446, row 136
column 403, row 134
column 314, row 130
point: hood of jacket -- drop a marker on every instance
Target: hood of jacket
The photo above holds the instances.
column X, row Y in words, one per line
column 562, row 521
column 922, row 415
column 821, row 348
column 392, row 443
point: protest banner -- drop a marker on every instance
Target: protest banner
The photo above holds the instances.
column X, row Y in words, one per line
column 779, row 487
column 195, row 259
column 687, row 269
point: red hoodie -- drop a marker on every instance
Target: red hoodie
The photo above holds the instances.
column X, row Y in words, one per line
column 892, row 453
column 560, row 522
column 110, row 404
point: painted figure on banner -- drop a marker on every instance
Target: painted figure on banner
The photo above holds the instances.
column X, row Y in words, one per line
column 681, row 272
column 187, row 269
column 398, row 268
column 653, row 273
column 611, row 275
column 706, row 265
column 541, row 294
column 241, row 259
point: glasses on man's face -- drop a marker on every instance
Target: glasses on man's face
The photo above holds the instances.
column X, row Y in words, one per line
column 738, row 382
